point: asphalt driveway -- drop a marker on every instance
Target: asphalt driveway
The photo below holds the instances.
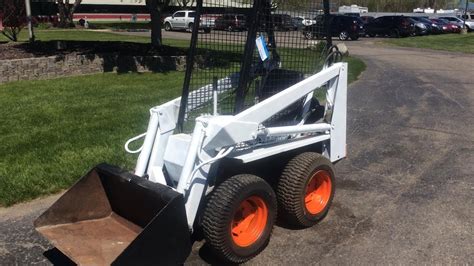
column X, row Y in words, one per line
column 405, row 194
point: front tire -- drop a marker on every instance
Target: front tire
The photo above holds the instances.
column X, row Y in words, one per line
column 343, row 36
column 239, row 217
column 308, row 35
column 168, row 27
column 306, row 189
column 395, row 33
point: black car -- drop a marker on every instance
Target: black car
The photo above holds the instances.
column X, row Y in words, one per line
column 421, row 27
column 394, row 26
column 341, row 26
column 367, row 19
column 231, row 22
column 432, row 27
column 282, row 22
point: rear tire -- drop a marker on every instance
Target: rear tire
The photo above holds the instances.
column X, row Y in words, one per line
column 306, row 189
column 239, row 217
column 191, row 27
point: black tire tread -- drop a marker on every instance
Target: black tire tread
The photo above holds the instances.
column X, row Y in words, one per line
column 218, row 210
column 289, row 187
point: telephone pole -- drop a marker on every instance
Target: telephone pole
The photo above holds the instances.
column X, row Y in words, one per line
column 465, row 13
column 29, row 20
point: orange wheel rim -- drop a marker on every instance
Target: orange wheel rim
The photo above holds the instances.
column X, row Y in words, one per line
column 318, row 192
column 249, row 221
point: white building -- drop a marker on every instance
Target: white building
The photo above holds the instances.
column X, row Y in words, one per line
column 429, row 10
column 447, row 11
column 206, row 3
column 114, row 2
column 353, row 9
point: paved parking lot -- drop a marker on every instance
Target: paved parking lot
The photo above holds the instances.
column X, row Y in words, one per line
column 405, row 194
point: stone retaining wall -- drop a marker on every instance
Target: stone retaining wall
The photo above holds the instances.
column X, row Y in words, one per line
column 75, row 65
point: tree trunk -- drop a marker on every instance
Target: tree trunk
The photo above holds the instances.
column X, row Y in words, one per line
column 66, row 13
column 62, row 14
column 155, row 15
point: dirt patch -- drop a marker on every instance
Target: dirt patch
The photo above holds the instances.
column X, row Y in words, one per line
column 54, row 48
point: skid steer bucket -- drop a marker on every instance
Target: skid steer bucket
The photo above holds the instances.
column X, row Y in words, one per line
column 113, row 217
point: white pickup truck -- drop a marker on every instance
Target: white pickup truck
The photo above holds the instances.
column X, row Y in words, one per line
column 184, row 20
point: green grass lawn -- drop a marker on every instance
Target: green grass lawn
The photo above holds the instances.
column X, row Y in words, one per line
column 447, row 42
column 124, row 25
column 356, row 67
column 53, row 131
column 89, row 35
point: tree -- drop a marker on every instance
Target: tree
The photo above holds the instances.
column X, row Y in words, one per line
column 14, row 18
column 155, row 8
column 185, row 3
column 66, row 12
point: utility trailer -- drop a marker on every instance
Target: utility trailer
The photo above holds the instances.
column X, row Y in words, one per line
column 261, row 121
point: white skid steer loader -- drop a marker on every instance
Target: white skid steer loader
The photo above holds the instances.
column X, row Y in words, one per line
column 222, row 159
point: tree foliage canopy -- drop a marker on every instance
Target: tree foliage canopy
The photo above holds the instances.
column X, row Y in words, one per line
column 14, row 18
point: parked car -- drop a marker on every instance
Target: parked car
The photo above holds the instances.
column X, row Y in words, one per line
column 441, row 24
column 459, row 22
column 367, row 19
column 231, row 22
column 308, row 21
column 297, row 23
column 433, row 28
column 447, row 26
column 454, row 20
column 209, row 19
column 282, row 22
column 394, row 26
column 344, row 27
column 426, row 26
column 184, row 20
column 421, row 28
column 467, row 16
